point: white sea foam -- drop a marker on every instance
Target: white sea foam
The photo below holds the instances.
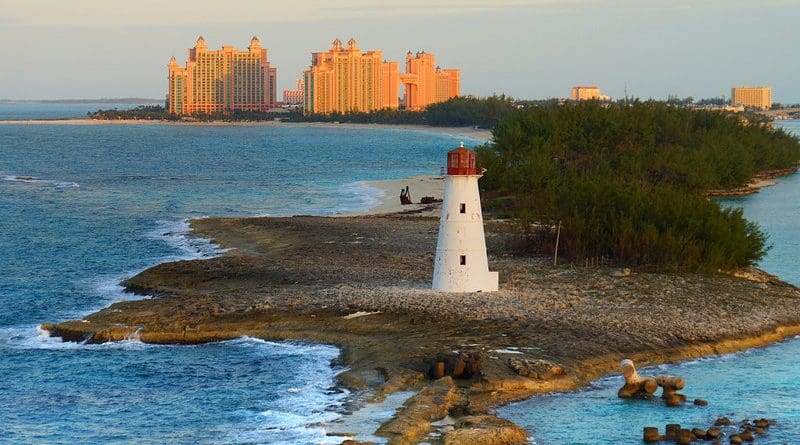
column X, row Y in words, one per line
column 176, row 234
column 301, row 414
column 38, row 181
column 34, row 337
column 361, row 197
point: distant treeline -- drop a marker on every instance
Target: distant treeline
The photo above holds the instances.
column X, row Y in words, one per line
column 142, row 112
column 456, row 112
column 628, row 182
column 156, row 112
column 464, row 111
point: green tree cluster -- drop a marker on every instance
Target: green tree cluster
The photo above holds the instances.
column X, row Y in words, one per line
column 627, row 182
column 455, row 112
column 142, row 112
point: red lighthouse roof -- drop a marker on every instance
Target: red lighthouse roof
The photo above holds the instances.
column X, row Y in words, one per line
column 461, row 161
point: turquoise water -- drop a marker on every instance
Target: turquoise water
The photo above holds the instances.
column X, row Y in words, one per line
column 757, row 383
column 105, row 202
column 42, row 110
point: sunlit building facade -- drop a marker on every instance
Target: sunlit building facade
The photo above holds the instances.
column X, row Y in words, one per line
column 585, row 93
column 345, row 80
column 294, row 96
column 222, row 81
column 752, row 97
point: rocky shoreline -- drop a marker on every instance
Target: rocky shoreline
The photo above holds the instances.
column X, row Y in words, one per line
column 763, row 179
column 362, row 283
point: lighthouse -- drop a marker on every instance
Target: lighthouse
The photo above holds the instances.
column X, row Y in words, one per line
column 461, row 264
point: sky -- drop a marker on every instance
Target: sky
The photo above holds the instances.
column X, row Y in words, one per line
column 527, row 49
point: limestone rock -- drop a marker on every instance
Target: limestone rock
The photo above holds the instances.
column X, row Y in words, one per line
column 535, row 369
column 485, row 430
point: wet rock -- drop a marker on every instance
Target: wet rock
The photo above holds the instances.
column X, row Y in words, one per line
column 713, row 433
column 736, row 439
column 747, row 436
column 699, row 433
column 684, row 437
column 676, row 400
column 723, row 421
column 535, row 369
column 700, row 402
column 651, row 434
column 672, row 431
column 762, row 423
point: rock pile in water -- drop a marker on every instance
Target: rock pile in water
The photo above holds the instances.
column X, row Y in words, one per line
column 673, row 432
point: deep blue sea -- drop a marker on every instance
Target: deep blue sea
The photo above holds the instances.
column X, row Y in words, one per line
column 752, row 384
column 104, row 202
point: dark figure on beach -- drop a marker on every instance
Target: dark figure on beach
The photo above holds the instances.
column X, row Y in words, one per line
column 404, row 198
column 408, row 195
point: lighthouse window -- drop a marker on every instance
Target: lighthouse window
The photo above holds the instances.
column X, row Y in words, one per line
column 463, row 208
column 463, row 260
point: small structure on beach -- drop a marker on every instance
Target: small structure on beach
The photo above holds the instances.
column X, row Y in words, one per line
column 461, row 264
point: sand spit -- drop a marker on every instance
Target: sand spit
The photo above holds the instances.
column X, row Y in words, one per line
column 470, row 133
column 301, row 277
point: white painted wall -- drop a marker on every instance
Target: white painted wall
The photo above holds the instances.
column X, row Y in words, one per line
column 462, row 234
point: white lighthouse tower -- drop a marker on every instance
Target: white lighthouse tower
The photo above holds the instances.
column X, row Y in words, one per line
column 461, row 264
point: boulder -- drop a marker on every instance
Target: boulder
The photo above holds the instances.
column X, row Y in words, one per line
column 699, row 433
column 747, row 436
column 459, row 366
column 535, row 369
column 651, row 434
column 684, row 437
column 485, row 430
column 713, row 433
column 723, row 421
column 672, row 431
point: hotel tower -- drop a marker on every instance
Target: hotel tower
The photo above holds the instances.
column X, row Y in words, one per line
column 345, row 80
column 222, row 81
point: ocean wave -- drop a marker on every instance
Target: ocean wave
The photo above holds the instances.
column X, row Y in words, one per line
column 34, row 180
column 362, row 197
column 34, row 337
column 176, row 234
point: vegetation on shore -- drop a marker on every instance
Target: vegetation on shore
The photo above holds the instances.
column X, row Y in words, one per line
column 627, row 182
column 457, row 112
column 465, row 111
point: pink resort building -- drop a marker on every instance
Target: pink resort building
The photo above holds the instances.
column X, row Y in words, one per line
column 222, row 81
column 345, row 79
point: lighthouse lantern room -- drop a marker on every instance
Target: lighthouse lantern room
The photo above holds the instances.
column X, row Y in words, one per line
column 461, row 264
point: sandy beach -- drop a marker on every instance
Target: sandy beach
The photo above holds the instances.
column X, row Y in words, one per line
column 470, row 133
column 388, row 195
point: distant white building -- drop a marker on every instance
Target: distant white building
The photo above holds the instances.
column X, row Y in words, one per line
column 461, row 263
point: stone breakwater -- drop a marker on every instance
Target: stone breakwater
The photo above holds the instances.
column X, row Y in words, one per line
column 548, row 329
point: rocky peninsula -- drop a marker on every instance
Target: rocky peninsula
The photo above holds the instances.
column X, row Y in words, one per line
column 362, row 283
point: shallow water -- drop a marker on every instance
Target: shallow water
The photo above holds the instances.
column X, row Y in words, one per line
column 43, row 110
column 757, row 383
column 104, row 202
